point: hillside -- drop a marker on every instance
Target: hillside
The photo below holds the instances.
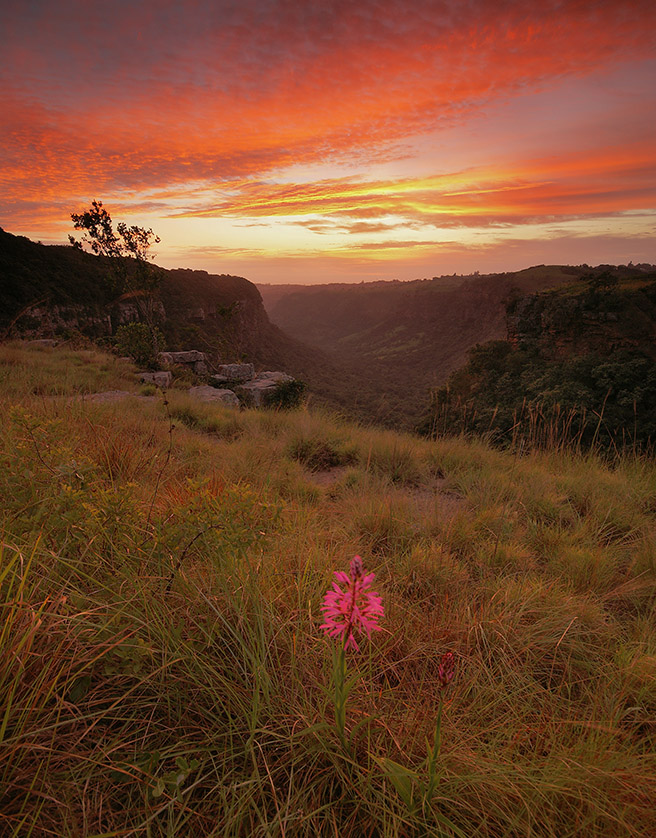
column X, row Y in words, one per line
column 165, row 673
column 578, row 365
column 410, row 335
column 324, row 315
column 342, row 317
column 372, row 351
column 31, row 272
column 58, row 291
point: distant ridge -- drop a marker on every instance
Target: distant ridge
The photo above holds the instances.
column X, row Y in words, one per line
column 333, row 316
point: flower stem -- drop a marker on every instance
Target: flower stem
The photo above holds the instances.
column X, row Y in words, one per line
column 341, row 694
column 432, row 757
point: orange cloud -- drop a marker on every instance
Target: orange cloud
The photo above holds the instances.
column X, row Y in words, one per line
column 205, row 109
column 575, row 185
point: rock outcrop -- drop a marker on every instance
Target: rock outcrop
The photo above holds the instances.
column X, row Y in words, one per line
column 234, row 385
column 161, row 379
column 260, row 389
column 602, row 320
column 205, row 393
column 59, row 292
column 234, row 372
column 191, row 358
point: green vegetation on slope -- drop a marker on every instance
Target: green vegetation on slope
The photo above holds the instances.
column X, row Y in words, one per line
column 342, row 317
column 578, row 368
column 326, row 315
column 163, row 671
column 30, row 273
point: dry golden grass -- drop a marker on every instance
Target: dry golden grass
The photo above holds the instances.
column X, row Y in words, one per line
column 163, row 671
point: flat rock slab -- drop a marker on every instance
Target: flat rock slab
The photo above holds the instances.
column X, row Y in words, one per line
column 255, row 392
column 205, row 393
column 236, row 372
column 189, row 356
column 159, row 379
column 274, row 376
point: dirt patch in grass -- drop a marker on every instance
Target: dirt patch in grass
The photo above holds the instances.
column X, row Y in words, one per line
column 114, row 396
column 328, row 477
column 436, row 496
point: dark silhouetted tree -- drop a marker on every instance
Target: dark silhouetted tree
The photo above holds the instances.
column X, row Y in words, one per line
column 131, row 274
column 127, row 248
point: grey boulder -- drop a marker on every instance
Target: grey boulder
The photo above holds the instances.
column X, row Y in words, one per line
column 236, row 372
column 205, row 393
column 159, row 379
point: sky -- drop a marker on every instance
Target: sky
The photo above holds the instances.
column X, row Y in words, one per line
column 336, row 140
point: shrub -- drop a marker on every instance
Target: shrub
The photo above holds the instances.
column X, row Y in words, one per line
column 141, row 342
column 318, row 454
column 287, row 394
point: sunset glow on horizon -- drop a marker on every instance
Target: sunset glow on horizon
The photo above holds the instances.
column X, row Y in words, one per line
column 337, row 142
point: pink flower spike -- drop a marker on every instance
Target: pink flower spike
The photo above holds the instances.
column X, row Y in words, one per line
column 446, row 670
column 353, row 608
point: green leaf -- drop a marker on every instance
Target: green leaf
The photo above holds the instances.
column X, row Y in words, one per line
column 158, row 788
column 403, row 779
column 123, row 773
column 79, row 688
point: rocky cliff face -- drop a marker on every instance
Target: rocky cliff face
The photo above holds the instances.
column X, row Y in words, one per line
column 53, row 291
column 225, row 313
column 56, row 292
column 96, row 321
column 597, row 320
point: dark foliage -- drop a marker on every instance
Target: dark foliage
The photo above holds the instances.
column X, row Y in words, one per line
column 287, row 395
column 31, row 273
column 141, row 342
column 581, row 370
column 127, row 250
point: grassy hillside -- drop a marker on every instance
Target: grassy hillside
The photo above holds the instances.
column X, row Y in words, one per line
column 163, row 668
